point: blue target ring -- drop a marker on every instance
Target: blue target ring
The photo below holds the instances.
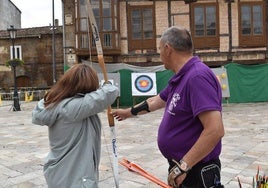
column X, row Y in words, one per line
column 144, row 83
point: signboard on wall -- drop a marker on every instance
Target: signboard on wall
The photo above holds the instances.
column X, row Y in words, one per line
column 221, row 74
column 114, row 78
column 71, row 59
column 143, row 84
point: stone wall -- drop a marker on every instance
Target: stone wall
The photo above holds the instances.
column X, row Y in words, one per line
column 36, row 49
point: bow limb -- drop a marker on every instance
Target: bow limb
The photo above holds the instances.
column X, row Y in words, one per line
column 96, row 36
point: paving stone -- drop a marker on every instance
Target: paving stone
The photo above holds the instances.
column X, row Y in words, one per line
column 24, row 146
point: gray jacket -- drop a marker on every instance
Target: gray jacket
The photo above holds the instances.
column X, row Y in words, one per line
column 74, row 130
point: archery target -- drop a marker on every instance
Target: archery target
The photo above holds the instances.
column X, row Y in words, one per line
column 221, row 74
column 143, row 84
column 114, row 78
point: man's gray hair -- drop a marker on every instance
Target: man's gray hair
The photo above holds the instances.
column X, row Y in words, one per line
column 179, row 38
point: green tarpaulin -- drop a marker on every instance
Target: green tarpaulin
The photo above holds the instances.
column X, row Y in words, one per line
column 247, row 83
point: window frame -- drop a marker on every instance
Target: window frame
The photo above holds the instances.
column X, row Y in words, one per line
column 85, row 44
column 252, row 40
column 205, row 42
column 18, row 52
column 143, row 43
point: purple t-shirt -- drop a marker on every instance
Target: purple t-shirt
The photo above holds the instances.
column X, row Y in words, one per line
column 194, row 89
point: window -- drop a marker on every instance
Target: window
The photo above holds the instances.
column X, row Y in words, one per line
column 252, row 24
column 107, row 18
column 18, row 54
column 141, row 25
column 205, row 25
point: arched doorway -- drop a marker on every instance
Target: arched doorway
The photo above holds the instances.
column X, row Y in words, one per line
column 23, row 81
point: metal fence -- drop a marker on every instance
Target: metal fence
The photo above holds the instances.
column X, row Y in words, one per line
column 24, row 96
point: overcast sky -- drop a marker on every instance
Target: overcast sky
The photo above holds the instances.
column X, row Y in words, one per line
column 35, row 13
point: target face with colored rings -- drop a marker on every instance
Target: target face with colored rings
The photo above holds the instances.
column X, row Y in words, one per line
column 144, row 83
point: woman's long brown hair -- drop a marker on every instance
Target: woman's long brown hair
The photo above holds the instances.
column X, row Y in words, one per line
column 80, row 78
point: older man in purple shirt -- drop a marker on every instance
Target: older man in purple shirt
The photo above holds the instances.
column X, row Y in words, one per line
column 190, row 133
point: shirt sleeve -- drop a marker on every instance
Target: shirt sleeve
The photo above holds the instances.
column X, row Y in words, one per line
column 91, row 104
column 205, row 94
column 164, row 94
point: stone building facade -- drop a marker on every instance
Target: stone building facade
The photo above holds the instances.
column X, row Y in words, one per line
column 35, row 48
column 10, row 17
column 223, row 31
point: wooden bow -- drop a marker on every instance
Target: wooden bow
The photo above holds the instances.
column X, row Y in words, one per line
column 96, row 36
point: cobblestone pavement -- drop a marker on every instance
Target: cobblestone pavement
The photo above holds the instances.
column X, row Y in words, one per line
column 23, row 147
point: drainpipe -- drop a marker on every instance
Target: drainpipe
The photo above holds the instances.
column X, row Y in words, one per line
column 53, row 45
column 63, row 36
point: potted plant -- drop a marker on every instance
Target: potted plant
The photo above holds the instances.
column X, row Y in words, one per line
column 14, row 62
